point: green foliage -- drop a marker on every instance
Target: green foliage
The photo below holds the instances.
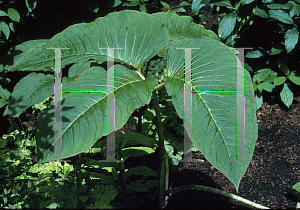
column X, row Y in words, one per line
column 240, row 21
column 156, row 67
column 177, row 9
column 149, row 6
column 10, row 16
column 24, row 184
column 28, row 185
column 103, row 196
column 130, row 182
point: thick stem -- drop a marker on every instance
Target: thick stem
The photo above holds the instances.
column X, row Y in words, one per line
column 162, row 156
column 210, row 189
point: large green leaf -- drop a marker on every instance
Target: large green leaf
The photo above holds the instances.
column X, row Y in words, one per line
column 84, row 114
column 214, row 114
column 140, row 35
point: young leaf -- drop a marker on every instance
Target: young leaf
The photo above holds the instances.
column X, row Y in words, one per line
column 13, row 14
column 197, row 5
column 295, row 79
column 263, row 74
column 266, row 86
column 227, row 24
column 291, row 39
column 143, row 8
column 5, row 29
column 286, row 95
column 166, row 5
column 254, row 54
column 185, row 3
column 4, row 93
column 2, row 13
column 258, row 101
column 178, row 10
column 279, row 81
column 271, row 77
column 281, row 16
column 224, row 3
column 261, row 12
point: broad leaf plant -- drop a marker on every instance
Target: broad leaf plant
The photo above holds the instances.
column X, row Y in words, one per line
column 139, row 37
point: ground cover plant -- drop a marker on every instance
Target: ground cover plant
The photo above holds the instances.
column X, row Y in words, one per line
column 83, row 129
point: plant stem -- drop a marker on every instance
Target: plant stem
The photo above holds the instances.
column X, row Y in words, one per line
column 210, row 189
column 140, row 74
column 159, row 85
column 162, row 183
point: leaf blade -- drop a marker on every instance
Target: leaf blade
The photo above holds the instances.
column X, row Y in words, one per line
column 212, row 127
column 84, row 114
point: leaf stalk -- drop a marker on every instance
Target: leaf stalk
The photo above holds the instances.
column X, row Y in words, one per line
column 163, row 168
